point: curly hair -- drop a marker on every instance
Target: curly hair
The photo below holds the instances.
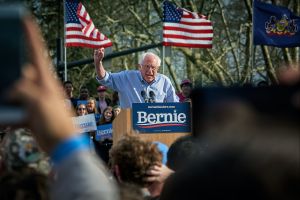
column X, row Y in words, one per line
column 133, row 157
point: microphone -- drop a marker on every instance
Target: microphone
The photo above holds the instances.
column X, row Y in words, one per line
column 152, row 97
column 143, row 93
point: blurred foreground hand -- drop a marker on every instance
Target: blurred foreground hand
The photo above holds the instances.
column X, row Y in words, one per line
column 41, row 95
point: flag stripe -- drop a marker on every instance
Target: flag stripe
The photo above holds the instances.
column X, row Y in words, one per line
column 185, row 30
column 187, row 45
column 186, row 37
column 208, row 24
column 83, row 37
column 76, row 40
column 187, row 27
column 192, row 35
column 183, row 41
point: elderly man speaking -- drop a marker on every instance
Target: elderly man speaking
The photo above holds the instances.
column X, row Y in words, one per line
column 137, row 86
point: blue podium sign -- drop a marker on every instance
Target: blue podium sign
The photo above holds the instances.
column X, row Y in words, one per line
column 161, row 117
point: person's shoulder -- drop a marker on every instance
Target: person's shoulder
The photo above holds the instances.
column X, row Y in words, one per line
column 162, row 76
column 129, row 72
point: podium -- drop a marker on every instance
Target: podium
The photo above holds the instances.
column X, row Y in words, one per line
column 122, row 125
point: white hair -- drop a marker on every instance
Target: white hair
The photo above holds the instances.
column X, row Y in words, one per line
column 158, row 60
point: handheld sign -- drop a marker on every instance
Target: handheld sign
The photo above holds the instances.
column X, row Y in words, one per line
column 97, row 116
column 85, row 123
column 104, row 131
column 161, row 117
column 81, row 102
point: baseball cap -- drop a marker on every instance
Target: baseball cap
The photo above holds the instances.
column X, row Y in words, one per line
column 20, row 149
column 101, row 88
column 185, row 81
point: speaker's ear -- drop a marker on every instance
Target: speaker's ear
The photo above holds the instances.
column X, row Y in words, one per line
column 140, row 66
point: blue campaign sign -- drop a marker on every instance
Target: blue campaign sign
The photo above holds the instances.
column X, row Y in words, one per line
column 97, row 117
column 161, row 117
column 104, row 131
column 81, row 102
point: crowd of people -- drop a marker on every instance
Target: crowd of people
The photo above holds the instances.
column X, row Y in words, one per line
column 237, row 153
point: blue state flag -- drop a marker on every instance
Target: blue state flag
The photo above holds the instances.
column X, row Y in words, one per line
column 275, row 25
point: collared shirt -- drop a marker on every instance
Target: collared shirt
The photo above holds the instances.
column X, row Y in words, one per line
column 130, row 84
column 102, row 105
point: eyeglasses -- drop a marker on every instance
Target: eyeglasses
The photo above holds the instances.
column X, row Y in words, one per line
column 81, row 108
column 150, row 67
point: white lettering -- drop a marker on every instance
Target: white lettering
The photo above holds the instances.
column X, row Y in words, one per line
column 151, row 118
column 104, row 132
column 181, row 118
column 86, row 124
column 166, row 115
column 175, row 116
column 142, row 117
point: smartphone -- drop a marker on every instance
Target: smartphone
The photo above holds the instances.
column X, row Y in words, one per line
column 12, row 56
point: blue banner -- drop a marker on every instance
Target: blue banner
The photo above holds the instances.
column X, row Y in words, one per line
column 275, row 25
column 161, row 117
column 81, row 102
column 97, row 117
column 104, row 131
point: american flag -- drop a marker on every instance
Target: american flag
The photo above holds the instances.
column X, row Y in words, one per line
column 183, row 28
column 80, row 30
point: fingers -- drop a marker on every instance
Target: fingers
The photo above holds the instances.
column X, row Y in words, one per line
column 158, row 173
column 154, row 174
column 151, row 179
column 99, row 52
column 289, row 75
column 154, row 171
column 25, row 90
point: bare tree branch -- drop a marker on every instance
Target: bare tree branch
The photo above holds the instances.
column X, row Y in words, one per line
column 230, row 40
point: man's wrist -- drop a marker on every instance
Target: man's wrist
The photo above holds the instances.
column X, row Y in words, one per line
column 98, row 79
column 68, row 147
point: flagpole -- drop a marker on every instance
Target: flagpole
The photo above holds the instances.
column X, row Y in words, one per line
column 163, row 48
column 65, row 48
column 163, row 58
column 252, row 46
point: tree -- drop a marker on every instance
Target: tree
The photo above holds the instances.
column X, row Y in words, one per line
column 135, row 23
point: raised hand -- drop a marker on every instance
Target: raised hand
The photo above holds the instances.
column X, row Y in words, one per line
column 98, row 56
